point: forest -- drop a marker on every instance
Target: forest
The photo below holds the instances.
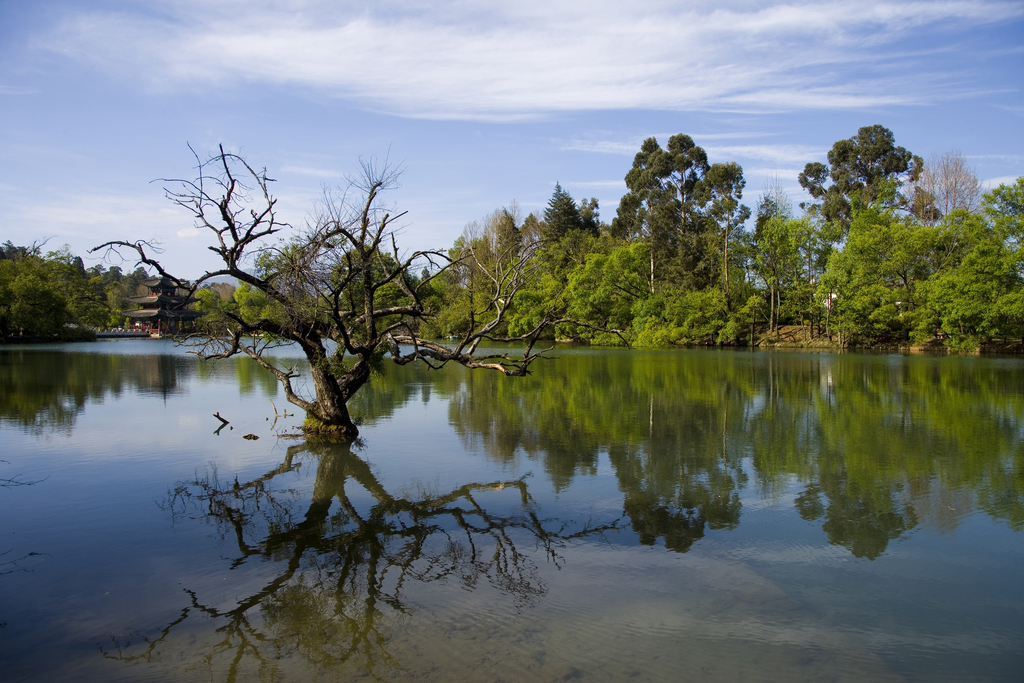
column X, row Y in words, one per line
column 52, row 296
column 884, row 249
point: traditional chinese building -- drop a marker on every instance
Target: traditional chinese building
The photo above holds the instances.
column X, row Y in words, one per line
column 163, row 309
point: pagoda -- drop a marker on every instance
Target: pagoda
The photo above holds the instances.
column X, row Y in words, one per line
column 163, row 309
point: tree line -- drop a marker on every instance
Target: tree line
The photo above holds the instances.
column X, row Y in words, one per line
column 52, row 296
column 886, row 249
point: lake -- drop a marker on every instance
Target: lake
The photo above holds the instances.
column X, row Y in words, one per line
column 647, row 515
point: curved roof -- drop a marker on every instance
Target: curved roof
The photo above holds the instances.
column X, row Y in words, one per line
column 153, row 299
column 162, row 314
column 161, row 282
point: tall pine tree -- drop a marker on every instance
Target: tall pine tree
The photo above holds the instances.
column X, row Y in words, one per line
column 561, row 216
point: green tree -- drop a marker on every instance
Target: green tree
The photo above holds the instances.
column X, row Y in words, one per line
column 590, row 215
column 605, row 290
column 47, row 298
column 663, row 208
column 859, row 166
column 774, row 257
column 562, row 216
column 874, row 282
column 722, row 190
column 1004, row 207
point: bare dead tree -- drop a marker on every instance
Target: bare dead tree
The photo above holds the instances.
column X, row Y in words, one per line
column 339, row 289
column 946, row 184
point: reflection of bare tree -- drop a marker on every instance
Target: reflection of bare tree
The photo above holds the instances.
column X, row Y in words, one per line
column 16, row 480
column 344, row 573
column 11, row 566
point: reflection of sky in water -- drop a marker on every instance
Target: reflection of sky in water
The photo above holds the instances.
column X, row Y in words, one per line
column 768, row 597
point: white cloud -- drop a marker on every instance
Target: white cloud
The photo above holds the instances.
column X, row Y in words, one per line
column 733, row 135
column 1013, row 158
column 629, row 147
column 189, row 233
column 461, row 60
column 781, row 154
column 313, row 172
column 993, row 183
column 102, row 216
column 17, row 90
column 617, row 184
column 88, row 219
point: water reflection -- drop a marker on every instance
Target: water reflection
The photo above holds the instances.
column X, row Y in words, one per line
column 44, row 391
column 341, row 569
column 250, row 377
column 876, row 441
column 876, row 445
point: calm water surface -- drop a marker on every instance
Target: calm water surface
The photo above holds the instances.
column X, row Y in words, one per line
column 687, row 515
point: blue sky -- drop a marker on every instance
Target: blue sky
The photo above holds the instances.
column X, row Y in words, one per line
column 480, row 102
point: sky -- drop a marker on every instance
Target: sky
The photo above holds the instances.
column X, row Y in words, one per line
column 478, row 103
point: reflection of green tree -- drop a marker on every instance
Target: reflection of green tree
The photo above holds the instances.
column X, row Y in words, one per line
column 662, row 424
column 878, row 440
column 854, row 518
column 42, row 390
column 47, row 390
column 885, row 429
column 871, row 437
column 250, row 376
column 339, row 587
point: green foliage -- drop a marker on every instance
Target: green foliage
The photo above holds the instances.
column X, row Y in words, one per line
column 253, row 304
column 51, row 297
column 664, row 209
column 604, row 290
column 686, row 432
column 675, row 267
column 867, row 167
column 968, row 296
column 562, row 216
column 871, row 272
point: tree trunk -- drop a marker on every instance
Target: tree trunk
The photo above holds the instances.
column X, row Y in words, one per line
column 725, row 265
column 652, row 266
column 329, row 413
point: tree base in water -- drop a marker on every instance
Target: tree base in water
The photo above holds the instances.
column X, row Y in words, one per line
column 314, row 426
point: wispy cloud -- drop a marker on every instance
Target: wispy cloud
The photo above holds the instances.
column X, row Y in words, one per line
column 993, row 183
column 1012, row 158
column 87, row 219
column 17, row 90
column 189, row 233
column 629, row 147
column 617, row 184
column 733, row 135
column 598, row 142
column 94, row 218
column 313, row 172
column 463, row 60
column 780, row 154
